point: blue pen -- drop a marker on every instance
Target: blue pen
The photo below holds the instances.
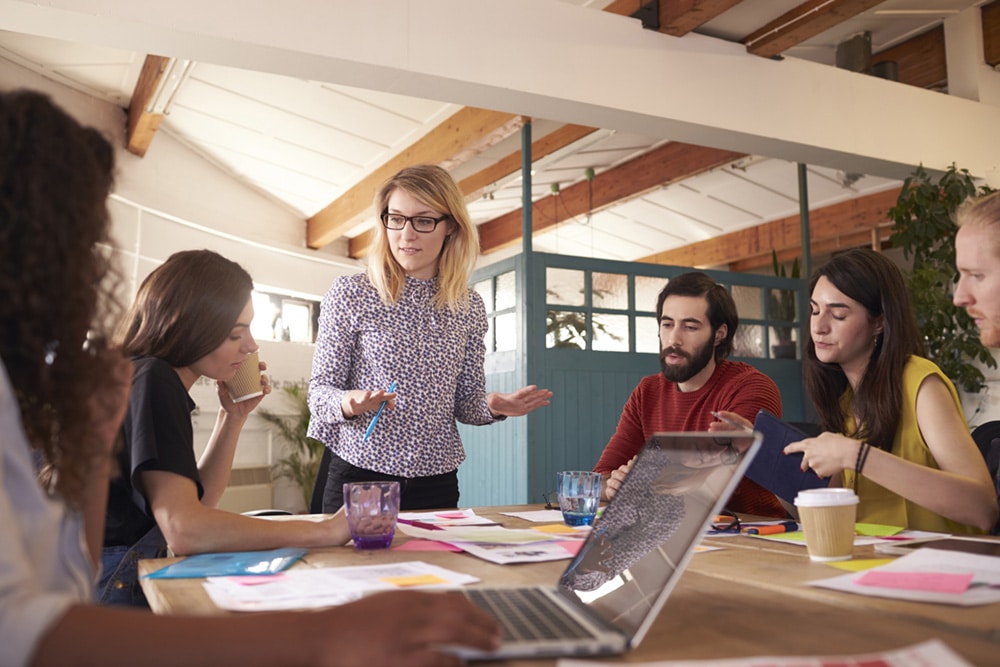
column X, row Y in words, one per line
column 371, row 426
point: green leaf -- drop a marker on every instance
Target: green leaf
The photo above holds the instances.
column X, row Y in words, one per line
column 923, row 227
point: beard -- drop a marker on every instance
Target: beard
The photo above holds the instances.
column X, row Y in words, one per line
column 695, row 362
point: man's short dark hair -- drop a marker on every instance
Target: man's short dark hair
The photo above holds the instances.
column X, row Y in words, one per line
column 721, row 307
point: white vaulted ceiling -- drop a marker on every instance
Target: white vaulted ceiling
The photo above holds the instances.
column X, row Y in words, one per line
column 305, row 142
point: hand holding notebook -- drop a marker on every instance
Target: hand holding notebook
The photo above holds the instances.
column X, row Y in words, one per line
column 781, row 473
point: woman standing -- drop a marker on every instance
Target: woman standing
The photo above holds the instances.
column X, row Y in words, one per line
column 894, row 425
column 410, row 322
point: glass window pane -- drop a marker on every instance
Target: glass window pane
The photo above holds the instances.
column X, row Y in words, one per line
column 564, row 287
column 749, row 341
column 565, row 328
column 610, row 332
column 488, row 341
column 647, row 334
column 506, row 290
column 296, row 319
column 781, row 305
column 610, row 290
column 506, row 330
column 485, row 289
column 647, row 290
column 784, row 342
column 264, row 314
column 747, row 300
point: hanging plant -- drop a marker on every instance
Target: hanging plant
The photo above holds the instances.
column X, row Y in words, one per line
column 924, row 228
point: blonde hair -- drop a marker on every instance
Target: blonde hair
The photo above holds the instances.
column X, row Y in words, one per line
column 434, row 187
column 979, row 211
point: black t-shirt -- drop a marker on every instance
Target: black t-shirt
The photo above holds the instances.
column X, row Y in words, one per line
column 158, row 435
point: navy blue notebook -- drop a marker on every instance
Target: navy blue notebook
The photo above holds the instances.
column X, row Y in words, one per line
column 776, row 471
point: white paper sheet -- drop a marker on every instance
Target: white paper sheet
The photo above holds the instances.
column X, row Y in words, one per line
column 307, row 588
column 985, row 588
column 933, row 652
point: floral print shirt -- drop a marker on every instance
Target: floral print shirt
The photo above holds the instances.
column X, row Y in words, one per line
column 434, row 356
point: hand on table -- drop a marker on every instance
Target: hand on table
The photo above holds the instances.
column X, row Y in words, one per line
column 404, row 628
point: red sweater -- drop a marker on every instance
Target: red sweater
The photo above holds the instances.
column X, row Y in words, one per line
column 657, row 405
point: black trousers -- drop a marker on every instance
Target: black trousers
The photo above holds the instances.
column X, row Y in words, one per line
column 415, row 493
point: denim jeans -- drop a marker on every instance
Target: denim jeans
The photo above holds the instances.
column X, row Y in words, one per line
column 119, row 582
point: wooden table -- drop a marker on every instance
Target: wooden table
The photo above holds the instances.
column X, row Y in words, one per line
column 748, row 598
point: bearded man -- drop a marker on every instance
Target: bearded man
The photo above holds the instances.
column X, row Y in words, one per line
column 698, row 322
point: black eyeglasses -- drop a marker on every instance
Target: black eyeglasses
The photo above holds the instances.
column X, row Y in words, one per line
column 420, row 223
column 726, row 522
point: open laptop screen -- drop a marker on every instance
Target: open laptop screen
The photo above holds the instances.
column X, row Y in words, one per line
column 641, row 543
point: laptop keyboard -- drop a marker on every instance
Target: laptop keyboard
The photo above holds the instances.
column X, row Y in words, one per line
column 527, row 613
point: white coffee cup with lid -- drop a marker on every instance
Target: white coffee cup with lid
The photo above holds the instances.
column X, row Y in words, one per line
column 827, row 517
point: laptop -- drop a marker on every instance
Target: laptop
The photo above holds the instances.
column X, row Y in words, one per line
column 611, row 592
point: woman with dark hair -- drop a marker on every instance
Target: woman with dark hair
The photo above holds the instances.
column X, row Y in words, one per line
column 191, row 318
column 894, row 426
column 410, row 322
column 62, row 398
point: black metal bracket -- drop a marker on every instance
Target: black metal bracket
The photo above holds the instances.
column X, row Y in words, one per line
column 649, row 14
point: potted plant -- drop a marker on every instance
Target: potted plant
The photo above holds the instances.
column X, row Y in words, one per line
column 302, row 462
column 782, row 311
column 923, row 227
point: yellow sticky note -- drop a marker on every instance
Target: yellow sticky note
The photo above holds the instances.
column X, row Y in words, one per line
column 415, row 580
column 876, row 530
column 860, row 564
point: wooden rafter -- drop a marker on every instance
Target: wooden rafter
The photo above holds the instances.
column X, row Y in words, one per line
column 473, row 186
column 142, row 125
column 797, row 25
column 470, row 129
column 667, row 164
column 677, row 17
column 847, row 224
column 991, row 33
column 920, row 60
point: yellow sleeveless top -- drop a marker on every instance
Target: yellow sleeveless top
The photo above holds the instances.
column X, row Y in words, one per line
column 878, row 504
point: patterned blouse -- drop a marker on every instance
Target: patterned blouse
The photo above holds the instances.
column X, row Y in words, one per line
column 434, row 356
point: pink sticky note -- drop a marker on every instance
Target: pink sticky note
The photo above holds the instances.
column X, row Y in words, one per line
column 255, row 580
column 425, row 545
column 931, row 582
column 572, row 546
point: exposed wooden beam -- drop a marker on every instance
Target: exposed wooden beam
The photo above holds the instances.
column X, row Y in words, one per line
column 667, row 164
column 677, row 17
column 991, row 33
column 920, row 59
column 457, row 138
column 843, row 225
column 473, row 185
column 510, row 164
column 797, row 25
column 142, row 125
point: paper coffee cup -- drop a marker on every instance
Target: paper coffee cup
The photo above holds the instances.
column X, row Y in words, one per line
column 827, row 517
column 246, row 383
